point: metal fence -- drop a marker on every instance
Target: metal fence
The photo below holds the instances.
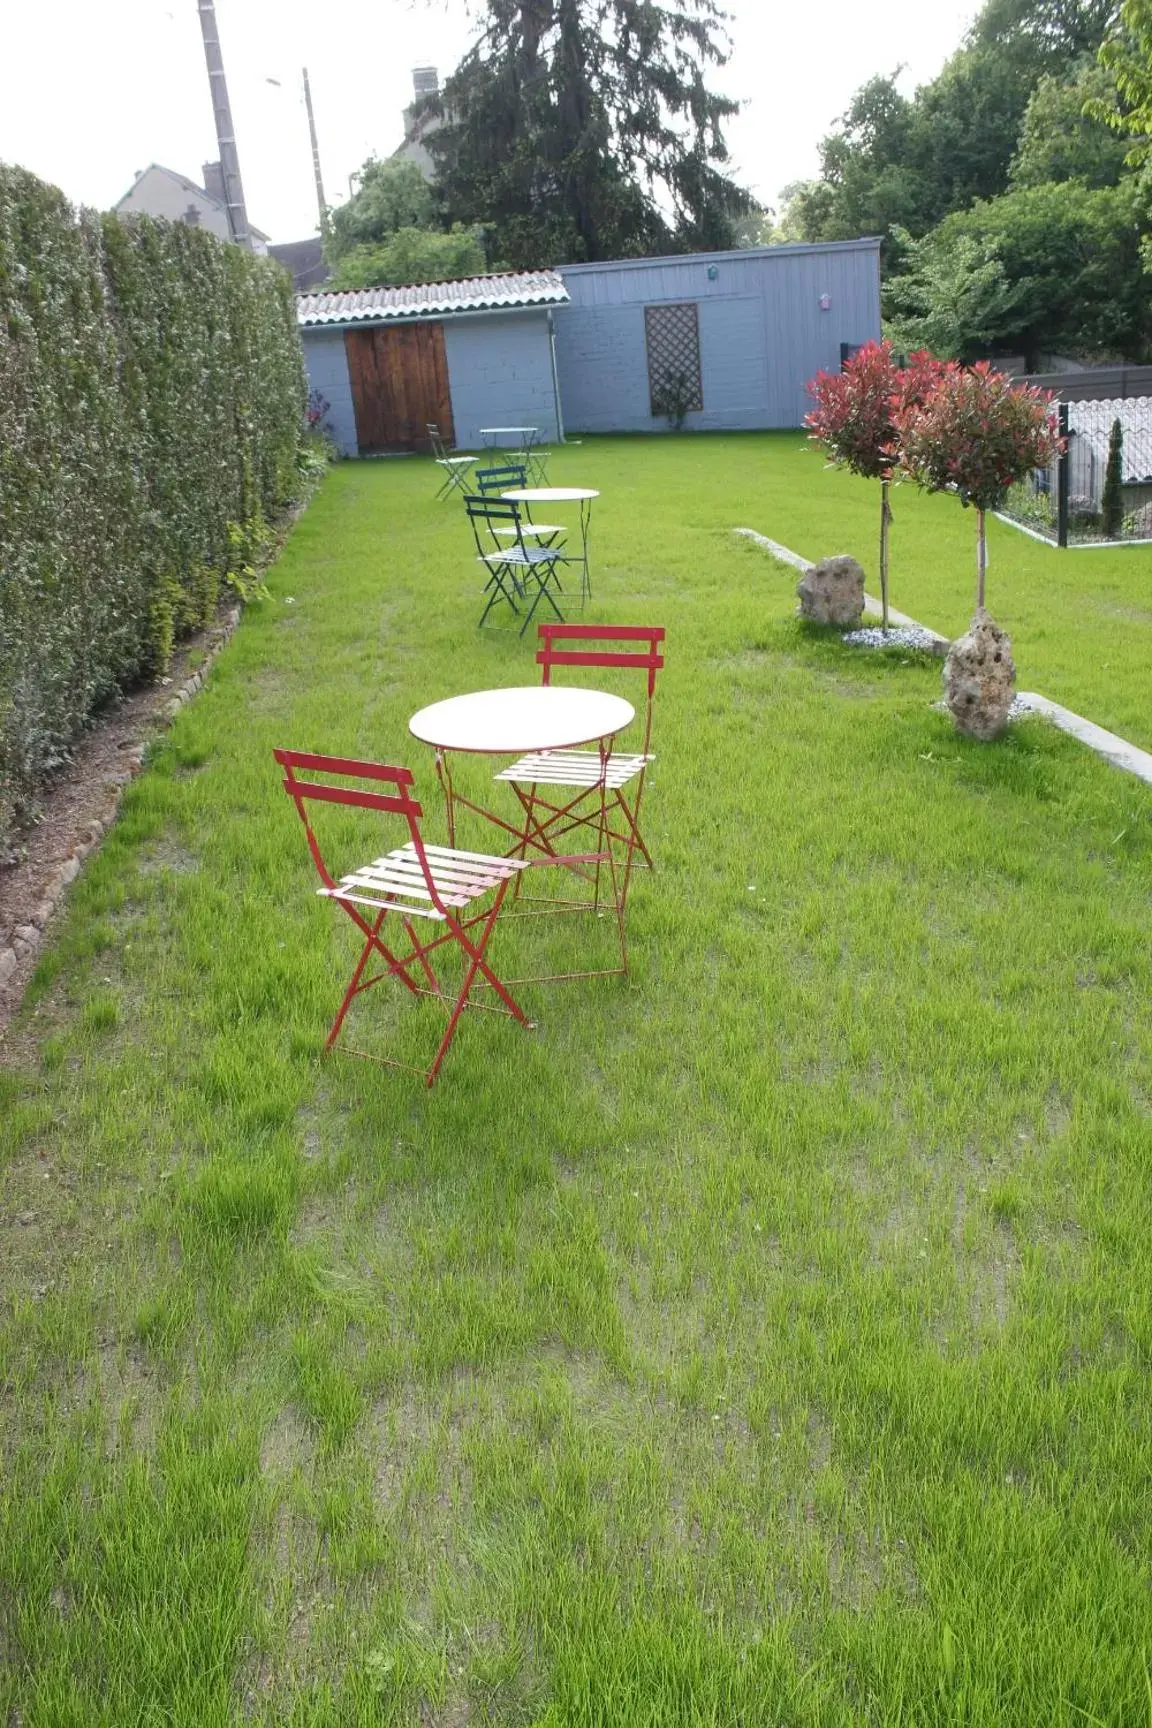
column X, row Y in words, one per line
column 1068, row 503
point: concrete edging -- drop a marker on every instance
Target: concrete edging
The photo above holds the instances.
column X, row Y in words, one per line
column 1109, row 745
column 872, row 606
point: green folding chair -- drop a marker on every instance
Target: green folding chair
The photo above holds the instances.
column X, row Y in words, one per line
column 519, row 575
column 513, row 477
column 455, row 468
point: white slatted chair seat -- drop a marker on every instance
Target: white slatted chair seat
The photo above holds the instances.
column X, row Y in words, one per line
column 397, row 882
column 529, row 530
column 575, row 768
column 525, row 557
column 454, row 461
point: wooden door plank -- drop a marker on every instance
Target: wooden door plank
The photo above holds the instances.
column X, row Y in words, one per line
column 399, row 379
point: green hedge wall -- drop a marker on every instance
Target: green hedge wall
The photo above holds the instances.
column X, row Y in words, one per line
column 152, row 398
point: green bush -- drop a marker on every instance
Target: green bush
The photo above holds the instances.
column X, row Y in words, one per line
column 151, row 406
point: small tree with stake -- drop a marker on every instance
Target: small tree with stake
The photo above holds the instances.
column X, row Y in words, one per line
column 854, row 420
column 977, row 433
column 1112, row 502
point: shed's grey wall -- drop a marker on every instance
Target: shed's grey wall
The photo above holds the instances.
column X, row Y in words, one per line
column 762, row 333
column 327, row 365
column 500, row 374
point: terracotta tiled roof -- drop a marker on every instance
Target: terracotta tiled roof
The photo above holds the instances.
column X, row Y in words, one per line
column 432, row 299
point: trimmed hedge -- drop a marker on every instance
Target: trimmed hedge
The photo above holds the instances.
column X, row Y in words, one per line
column 152, row 399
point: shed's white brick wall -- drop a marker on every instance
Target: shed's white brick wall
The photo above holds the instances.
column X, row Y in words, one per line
column 500, row 374
column 327, row 366
column 763, row 333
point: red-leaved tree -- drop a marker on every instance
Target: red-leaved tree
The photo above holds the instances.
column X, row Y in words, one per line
column 976, row 433
column 854, row 420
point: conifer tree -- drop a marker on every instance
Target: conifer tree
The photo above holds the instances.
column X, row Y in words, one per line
column 584, row 129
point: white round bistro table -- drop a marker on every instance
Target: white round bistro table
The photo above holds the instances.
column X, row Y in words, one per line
column 525, row 443
column 515, row 722
column 582, row 495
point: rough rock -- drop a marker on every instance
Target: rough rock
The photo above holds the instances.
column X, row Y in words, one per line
column 832, row 592
column 979, row 676
column 8, row 961
column 68, row 871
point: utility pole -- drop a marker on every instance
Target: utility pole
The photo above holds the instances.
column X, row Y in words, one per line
column 315, row 157
column 225, row 132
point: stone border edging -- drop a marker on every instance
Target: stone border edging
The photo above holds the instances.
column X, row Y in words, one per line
column 1109, row 745
column 25, row 939
column 1113, row 748
column 872, row 606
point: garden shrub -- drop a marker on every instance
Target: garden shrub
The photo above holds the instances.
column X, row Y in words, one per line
column 151, row 405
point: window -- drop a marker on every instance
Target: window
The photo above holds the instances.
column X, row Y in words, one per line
column 672, row 334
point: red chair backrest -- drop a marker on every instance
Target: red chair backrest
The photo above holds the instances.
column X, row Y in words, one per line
column 551, row 654
column 397, row 803
column 647, row 659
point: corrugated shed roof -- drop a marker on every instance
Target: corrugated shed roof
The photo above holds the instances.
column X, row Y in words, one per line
column 432, row 299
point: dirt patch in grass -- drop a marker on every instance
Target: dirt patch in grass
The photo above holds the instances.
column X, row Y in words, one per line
column 167, row 857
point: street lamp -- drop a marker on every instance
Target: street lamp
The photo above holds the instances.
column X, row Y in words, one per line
column 320, row 199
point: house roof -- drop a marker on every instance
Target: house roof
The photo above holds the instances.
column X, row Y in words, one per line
column 186, row 185
column 304, row 261
column 670, row 260
column 432, row 299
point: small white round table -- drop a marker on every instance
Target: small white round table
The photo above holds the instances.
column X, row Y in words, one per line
column 526, row 446
column 582, row 495
column 515, row 722
column 509, row 431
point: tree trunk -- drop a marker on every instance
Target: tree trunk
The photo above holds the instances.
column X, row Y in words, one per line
column 981, row 557
column 885, row 524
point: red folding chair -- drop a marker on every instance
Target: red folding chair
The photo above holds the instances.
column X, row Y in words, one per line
column 434, row 883
column 588, row 773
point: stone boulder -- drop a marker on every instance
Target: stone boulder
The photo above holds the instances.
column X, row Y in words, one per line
column 832, row 592
column 979, row 678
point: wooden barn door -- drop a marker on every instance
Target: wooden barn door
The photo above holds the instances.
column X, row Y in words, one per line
column 399, row 380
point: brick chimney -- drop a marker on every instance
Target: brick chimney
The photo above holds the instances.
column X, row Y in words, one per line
column 214, row 183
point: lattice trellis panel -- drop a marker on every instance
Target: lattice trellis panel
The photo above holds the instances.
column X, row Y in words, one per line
column 672, row 334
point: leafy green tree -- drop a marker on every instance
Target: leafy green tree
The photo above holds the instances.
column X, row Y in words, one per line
column 1061, row 138
column 807, row 211
column 895, row 162
column 391, row 195
column 953, row 297
column 1042, row 268
column 1127, row 56
column 1059, row 29
column 757, row 228
column 412, row 255
column 587, row 129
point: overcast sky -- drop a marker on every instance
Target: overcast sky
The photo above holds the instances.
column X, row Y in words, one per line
column 91, row 91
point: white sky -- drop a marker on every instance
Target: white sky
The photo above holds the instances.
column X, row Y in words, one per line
column 93, row 90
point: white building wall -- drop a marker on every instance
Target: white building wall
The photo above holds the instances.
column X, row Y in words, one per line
column 159, row 192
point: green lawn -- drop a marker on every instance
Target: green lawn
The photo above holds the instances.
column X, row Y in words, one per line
column 763, row 1340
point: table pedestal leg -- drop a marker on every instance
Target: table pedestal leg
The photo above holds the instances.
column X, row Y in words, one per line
column 444, row 775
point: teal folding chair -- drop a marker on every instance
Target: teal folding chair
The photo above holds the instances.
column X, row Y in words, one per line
column 513, row 477
column 518, row 574
column 536, row 460
column 454, row 468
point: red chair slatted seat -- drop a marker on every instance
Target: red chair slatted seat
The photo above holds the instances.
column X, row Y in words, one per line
column 585, row 772
column 437, row 884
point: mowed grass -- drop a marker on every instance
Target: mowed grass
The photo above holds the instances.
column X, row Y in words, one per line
column 762, row 1340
